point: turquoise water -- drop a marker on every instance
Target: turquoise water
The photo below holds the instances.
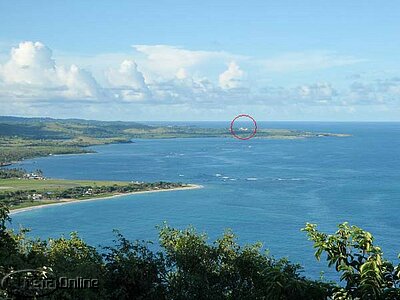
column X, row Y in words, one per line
column 265, row 190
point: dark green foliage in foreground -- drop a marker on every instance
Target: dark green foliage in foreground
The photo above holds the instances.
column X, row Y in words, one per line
column 225, row 270
column 367, row 275
column 188, row 267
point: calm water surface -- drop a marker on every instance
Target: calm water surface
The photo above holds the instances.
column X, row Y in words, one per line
column 265, row 190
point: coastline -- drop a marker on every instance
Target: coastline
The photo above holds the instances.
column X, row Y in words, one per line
column 69, row 201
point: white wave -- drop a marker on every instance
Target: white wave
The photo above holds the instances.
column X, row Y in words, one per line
column 290, row 179
column 251, row 178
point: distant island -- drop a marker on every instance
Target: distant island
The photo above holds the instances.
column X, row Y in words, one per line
column 23, row 138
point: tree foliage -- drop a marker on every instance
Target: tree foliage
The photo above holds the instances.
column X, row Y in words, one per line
column 187, row 266
column 362, row 267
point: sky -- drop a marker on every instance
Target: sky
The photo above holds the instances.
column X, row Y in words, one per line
column 201, row 60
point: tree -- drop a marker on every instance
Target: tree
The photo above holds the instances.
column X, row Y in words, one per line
column 133, row 271
column 367, row 275
column 73, row 258
column 188, row 266
column 226, row 270
column 4, row 215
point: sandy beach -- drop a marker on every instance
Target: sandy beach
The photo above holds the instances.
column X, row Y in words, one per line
column 69, row 201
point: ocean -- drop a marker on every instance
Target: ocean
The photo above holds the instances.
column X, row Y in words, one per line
column 264, row 190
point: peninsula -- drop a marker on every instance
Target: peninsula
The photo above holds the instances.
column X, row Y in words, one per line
column 21, row 190
column 23, row 138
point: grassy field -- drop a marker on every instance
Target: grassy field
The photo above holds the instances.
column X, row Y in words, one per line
column 20, row 192
column 50, row 184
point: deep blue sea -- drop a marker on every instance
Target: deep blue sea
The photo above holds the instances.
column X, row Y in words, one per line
column 264, row 190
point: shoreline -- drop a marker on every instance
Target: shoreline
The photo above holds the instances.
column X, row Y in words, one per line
column 70, row 201
column 87, row 150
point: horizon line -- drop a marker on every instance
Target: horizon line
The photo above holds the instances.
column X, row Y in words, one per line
column 138, row 121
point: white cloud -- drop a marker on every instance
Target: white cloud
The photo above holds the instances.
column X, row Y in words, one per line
column 127, row 75
column 79, row 83
column 181, row 74
column 164, row 61
column 168, row 76
column 128, row 81
column 32, row 73
column 232, row 78
column 30, row 64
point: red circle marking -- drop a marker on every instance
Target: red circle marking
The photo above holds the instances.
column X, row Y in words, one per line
column 247, row 137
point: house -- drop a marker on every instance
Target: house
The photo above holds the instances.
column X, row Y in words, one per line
column 33, row 176
column 35, row 197
column 88, row 192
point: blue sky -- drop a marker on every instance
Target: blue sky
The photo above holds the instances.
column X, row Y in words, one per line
column 203, row 60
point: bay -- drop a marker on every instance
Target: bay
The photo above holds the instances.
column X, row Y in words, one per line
column 264, row 190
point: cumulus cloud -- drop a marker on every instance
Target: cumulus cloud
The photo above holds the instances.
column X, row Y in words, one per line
column 232, row 78
column 165, row 76
column 31, row 72
column 127, row 75
column 128, row 81
column 79, row 83
column 29, row 64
